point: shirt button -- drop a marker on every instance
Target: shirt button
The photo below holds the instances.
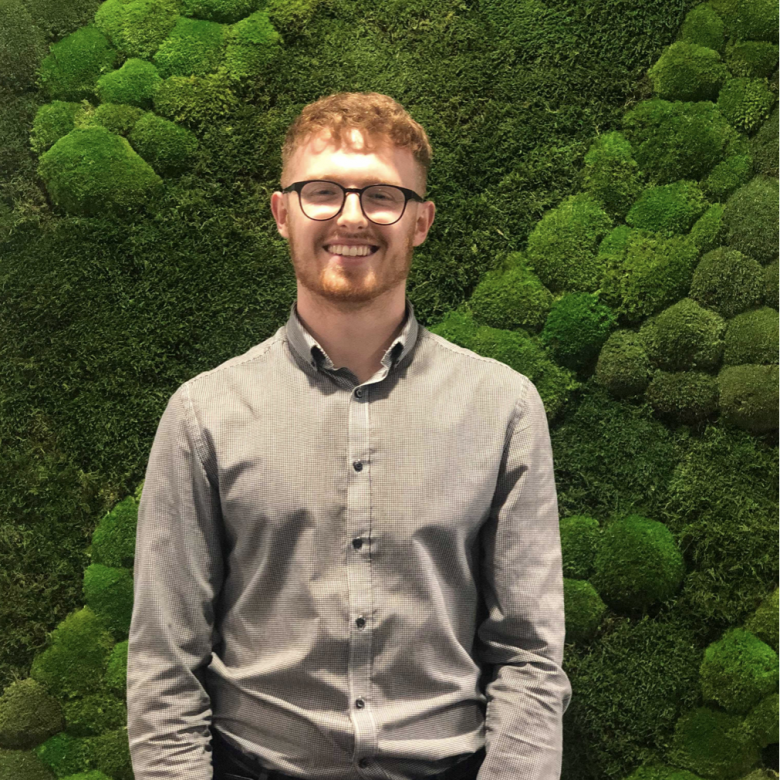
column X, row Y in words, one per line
column 357, row 465
column 363, row 763
column 360, row 622
column 359, row 703
column 357, row 543
column 359, row 393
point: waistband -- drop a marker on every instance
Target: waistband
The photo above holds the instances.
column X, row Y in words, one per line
column 464, row 770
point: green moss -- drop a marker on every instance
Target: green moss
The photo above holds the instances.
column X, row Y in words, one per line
column 623, row 366
column 752, row 59
column 687, row 71
column 116, row 117
column 135, row 83
column 761, row 723
column 749, row 19
column 108, row 592
column 763, row 623
column 771, row 284
column 29, row 714
column 580, row 537
column 654, row 272
column 687, row 397
column 91, row 715
column 750, row 219
column 113, row 541
column 631, row 686
column 292, row 16
column 674, row 141
column 167, row 147
column 712, row 744
column 58, row 19
column 513, row 298
column 764, row 146
column 684, row 336
column 727, row 176
column 75, row 657
column 659, row 772
column 225, row 11
column 137, row 27
column 562, row 247
column 708, row 231
column 92, row 171
column 746, row 103
column 727, row 282
column 611, row 174
column 196, row 101
column 669, row 208
column 52, row 121
column 22, row 46
column 584, row 610
column 576, row 329
column 75, row 64
column 252, row 44
column 115, row 678
column 738, row 671
column 752, row 337
column 749, row 397
column 193, row 48
column 638, row 564
column 721, row 503
column 615, row 242
column 704, row 27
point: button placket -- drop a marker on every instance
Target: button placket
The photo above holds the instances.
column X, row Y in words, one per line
column 359, row 572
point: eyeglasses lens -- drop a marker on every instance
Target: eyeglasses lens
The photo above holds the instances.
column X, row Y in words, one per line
column 382, row 203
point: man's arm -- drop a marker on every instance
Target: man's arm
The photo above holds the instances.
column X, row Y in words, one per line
column 522, row 584
column 177, row 575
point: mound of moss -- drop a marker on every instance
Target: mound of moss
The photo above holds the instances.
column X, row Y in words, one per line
column 193, row 48
column 92, row 171
column 637, row 564
column 75, row 64
column 687, row 71
column 167, row 147
column 135, row 83
column 137, row 27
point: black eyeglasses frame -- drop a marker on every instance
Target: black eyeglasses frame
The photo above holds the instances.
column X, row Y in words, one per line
column 407, row 193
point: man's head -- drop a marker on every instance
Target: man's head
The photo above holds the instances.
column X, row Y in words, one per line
column 353, row 139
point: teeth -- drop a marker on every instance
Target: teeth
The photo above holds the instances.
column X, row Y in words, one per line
column 349, row 251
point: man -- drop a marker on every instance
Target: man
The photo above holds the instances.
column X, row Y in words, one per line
column 348, row 558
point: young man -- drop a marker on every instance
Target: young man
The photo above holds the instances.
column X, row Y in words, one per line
column 348, row 559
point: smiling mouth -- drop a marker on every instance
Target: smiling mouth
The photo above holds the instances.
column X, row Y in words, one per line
column 374, row 250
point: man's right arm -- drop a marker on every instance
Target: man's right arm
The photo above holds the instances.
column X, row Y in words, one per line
column 178, row 574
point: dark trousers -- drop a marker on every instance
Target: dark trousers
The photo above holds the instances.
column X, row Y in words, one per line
column 229, row 763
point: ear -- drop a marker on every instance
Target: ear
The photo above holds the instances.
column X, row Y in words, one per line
column 425, row 214
column 281, row 214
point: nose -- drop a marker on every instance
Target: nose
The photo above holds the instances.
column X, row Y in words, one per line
column 351, row 212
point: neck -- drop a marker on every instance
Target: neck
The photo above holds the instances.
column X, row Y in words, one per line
column 354, row 337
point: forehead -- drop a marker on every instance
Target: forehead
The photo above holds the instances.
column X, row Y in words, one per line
column 320, row 158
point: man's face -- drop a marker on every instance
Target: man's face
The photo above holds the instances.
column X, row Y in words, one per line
column 357, row 280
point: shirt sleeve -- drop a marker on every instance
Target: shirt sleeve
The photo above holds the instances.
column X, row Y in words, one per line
column 522, row 585
column 178, row 572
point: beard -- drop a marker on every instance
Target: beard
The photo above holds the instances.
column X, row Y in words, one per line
column 327, row 279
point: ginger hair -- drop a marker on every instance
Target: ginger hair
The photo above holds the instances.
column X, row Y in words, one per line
column 381, row 119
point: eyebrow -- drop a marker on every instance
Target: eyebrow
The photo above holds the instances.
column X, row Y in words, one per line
column 366, row 183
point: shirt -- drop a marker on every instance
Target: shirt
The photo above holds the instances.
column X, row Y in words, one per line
column 349, row 580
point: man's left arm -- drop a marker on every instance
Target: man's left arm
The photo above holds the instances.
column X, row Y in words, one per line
column 522, row 585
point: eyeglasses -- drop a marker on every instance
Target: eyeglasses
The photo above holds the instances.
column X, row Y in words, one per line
column 383, row 204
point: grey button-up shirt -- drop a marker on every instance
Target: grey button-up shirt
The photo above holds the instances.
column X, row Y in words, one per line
column 350, row 580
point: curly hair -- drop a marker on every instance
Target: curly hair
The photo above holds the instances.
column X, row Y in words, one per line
column 382, row 120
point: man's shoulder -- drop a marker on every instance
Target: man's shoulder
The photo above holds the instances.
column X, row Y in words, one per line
column 230, row 369
column 472, row 364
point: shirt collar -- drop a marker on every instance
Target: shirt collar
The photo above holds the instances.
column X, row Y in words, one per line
column 307, row 347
